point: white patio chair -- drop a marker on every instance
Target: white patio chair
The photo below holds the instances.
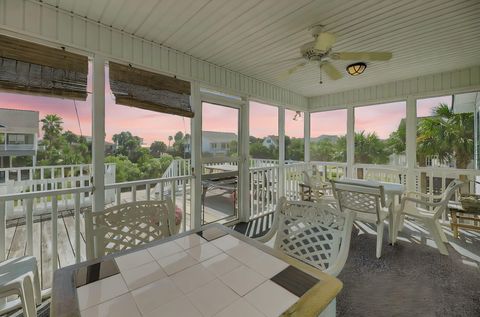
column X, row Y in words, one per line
column 368, row 203
column 127, row 225
column 411, row 206
column 312, row 232
column 316, row 185
column 19, row 276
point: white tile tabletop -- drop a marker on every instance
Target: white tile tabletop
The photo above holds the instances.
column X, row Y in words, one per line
column 190, row 277
column 176, row 262
column 212, row 298
column 100, row 291
column 143, row 275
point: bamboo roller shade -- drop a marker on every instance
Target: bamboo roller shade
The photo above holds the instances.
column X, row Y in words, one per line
column 32, row 68
column 143, row 89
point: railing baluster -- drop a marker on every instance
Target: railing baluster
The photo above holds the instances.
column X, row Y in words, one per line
column 184, row 209
column 78, row 256
column 54, row 233
column 134, row 193
column 3, row 229
column 118, row 195
column 147, row 189
column 29, row 222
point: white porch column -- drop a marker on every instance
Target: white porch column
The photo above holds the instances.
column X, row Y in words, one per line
column 244, row 171
column 281, row 151
column 98, row 148
column 306, row 135
column 350, row 141
column 411, row 142
column 196, row 150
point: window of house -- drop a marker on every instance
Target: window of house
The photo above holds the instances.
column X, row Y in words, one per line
column 380, row 132
column 294, row 135
column 328, row 130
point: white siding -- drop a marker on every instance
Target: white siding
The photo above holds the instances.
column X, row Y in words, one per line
column 40, row 22
column 429, row 85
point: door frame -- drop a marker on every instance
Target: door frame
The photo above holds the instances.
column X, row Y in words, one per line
column 242, row 160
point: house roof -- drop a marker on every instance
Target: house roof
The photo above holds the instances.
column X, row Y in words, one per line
column 19, row 121
column 219, row 137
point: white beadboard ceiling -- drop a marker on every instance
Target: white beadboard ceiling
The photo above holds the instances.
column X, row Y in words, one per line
column 250, row 36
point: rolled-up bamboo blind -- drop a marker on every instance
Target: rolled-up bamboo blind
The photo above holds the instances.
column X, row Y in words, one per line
column 142, row 89
column 31, row 68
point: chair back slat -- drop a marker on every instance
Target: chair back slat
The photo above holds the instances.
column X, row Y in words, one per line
column 364, row 198
column 315, row 233
column 127, row 225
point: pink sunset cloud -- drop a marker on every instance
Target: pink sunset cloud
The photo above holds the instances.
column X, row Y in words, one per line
column 332, row 122
column 382, row 119
column 263, row 119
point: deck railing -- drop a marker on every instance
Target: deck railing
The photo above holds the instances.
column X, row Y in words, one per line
column 264, row 188
column 61, row 238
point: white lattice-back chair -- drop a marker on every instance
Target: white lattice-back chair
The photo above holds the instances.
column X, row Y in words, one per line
column 368, row 203
column 428, row 209
column 313, row 232
column 127, row 225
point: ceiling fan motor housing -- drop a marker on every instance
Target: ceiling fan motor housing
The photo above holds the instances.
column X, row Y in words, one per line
column 310, row 53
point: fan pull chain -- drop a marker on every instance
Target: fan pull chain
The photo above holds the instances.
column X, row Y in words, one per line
column 321, row 78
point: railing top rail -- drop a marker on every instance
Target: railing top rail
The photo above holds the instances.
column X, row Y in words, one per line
column 48, row 167
column 343, row 164
column 56, row 192
column 380, row 167
column 147, row 181
column 263, row 168
column 447, row 170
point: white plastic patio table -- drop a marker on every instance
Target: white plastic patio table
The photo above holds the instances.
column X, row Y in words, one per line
column 392, row 190
column 215, row 273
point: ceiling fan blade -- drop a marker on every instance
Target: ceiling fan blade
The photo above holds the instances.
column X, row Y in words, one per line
column 330, row 70
column 325, row 41
column 290, row 71
column 365, row 56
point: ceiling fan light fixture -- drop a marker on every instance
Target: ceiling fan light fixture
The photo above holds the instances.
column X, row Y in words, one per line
column 356, row 69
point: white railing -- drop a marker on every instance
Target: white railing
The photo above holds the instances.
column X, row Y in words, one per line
column 57, row 239
column 16, row 147
column 48, row 178
column 392, row 174
column 178, row 167
column 264, row 188
column 44, row 236
column 176, row 188
column 330, row 170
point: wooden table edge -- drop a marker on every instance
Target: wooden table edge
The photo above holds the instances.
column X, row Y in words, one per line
column 64, row 293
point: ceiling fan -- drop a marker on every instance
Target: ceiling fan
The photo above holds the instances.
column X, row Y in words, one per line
column 320, row 50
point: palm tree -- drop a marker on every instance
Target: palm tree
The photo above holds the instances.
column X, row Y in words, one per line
column 447, row 135
column 52, row 126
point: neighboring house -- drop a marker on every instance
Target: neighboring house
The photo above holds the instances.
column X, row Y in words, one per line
column 109, row 146
column 269, row 142
column 18, row 135
column 215, row 143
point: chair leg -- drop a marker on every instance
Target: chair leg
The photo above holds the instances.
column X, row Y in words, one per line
column 432, row 227
column 29, row 289
column 379, row 239
column 441, row 232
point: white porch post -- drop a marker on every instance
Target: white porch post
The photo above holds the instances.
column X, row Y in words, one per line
column 281, row 151
column 350, row 141
column 196, row 150
column 306, row 136
column 98, row 148
column 244, row 171
column 411, row 145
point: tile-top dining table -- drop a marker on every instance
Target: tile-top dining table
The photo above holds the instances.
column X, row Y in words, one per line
column 211, row 272
column 392, row 191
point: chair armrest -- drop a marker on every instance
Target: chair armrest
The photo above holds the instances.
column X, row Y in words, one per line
column 418, row 201
column 409, row 194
